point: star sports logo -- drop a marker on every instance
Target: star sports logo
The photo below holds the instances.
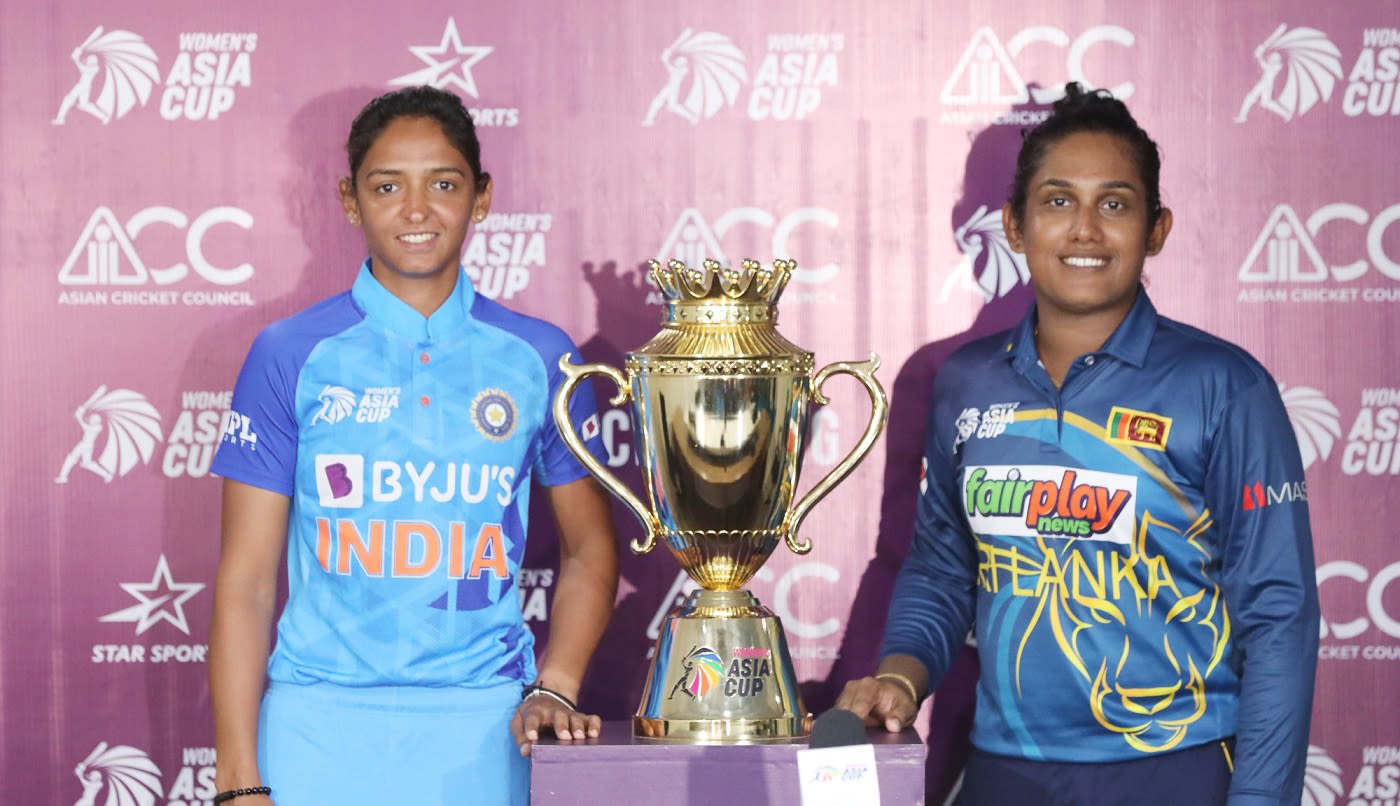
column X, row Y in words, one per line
column 161, row 599
column 448, row 65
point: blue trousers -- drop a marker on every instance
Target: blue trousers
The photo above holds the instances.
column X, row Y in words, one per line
column 326, row 744
column 1198, row 776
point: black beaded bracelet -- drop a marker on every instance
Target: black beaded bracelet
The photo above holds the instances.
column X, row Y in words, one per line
column 535, row 688
column 225, row 797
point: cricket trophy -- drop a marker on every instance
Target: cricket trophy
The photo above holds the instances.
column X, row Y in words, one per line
column 719, row 406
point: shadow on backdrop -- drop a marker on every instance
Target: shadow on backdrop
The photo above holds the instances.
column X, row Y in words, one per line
column 988, row 269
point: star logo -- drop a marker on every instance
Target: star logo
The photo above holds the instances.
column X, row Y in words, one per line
column 161, row 599
column 443, row 61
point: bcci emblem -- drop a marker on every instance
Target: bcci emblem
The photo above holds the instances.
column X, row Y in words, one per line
column 701, row 671
column 493, row 414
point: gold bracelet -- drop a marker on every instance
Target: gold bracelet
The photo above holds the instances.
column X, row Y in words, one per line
column 899, row 679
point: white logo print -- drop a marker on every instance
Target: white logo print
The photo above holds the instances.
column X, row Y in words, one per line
column 1316, row 422
column 132, row 428
column 1288, row 252
column 128, row 68
column 967, row 425
column 985, row 74
column 336, row 404
column 1322, row 779
column 448, row 63
column 1002, row 270
column 716, row 71
column 130, row 776
column 161, row 599
column 1311, row 66
column 693, row 241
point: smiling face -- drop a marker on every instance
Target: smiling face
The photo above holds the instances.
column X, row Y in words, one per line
column 1085, row 230
column 415, row 195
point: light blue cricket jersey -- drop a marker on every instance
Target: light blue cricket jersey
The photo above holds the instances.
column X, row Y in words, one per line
column 1133, row 546
column 407, row 445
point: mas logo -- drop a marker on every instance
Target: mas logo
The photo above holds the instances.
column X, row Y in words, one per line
column 118, row 72
column 1301, row 67
column 121, row 429
column 105, row 267
column 1050, row 501
column 986, row 79
column 1286, row 265
column 504, row 251
column 1138, row 429
column 448, row 66
column 161, row 599
column 754, row 230
column 706, row 74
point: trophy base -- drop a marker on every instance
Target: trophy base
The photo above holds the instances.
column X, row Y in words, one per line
column 721, row 674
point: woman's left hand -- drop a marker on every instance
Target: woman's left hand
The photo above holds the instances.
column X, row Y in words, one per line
column 544, row 713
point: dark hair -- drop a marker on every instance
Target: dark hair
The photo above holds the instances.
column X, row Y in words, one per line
column 1091, row 111
column 416, row 102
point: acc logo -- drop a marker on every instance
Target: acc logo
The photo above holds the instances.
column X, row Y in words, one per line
column 1316, row 422
column 706, row 71
column 1138, row 429
column 1310, row 66
column 986, row 75
column 127, row 774
column 494, row 414
column 201, row 84
column 504, row 250
column 693, row 241
column 105, row 255
column 989, row 266
column 1050, row 501
column 448, row 65
column 1286, row 253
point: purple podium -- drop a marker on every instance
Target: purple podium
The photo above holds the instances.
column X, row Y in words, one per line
column 618, row 769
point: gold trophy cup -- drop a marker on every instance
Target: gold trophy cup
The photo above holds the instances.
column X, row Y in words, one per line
column 719, row 405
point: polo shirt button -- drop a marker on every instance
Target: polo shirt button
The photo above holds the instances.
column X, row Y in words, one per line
column 424, row 358
column 425, row 400
column 1089, row 361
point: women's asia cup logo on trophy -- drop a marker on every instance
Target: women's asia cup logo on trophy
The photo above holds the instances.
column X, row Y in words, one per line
column 719, row 401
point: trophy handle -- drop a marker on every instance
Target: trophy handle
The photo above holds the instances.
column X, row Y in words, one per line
column 574, row 374
column 863, row 371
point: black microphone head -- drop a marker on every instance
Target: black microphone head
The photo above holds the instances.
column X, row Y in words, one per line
column 837, row 728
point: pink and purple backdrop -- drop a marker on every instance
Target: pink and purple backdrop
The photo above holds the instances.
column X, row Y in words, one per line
column 169, row 190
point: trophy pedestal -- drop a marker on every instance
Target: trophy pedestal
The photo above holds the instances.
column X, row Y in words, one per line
column 721, row 674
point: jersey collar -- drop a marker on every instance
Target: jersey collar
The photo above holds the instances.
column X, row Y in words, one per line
column 381, row 306
column 1129, row 343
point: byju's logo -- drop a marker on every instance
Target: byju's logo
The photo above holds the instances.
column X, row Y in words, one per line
column 340, row 480
column 125, row 423
column 1286, row 265
column 986, row 76
column 989, row 266
column 1301, row 67
column 448, row 66
column 127, row 774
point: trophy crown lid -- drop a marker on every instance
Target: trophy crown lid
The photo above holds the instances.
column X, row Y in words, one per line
column 750, row 283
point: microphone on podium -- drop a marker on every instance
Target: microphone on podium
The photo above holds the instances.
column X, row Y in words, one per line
column 837, row 728
column 838, row 767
